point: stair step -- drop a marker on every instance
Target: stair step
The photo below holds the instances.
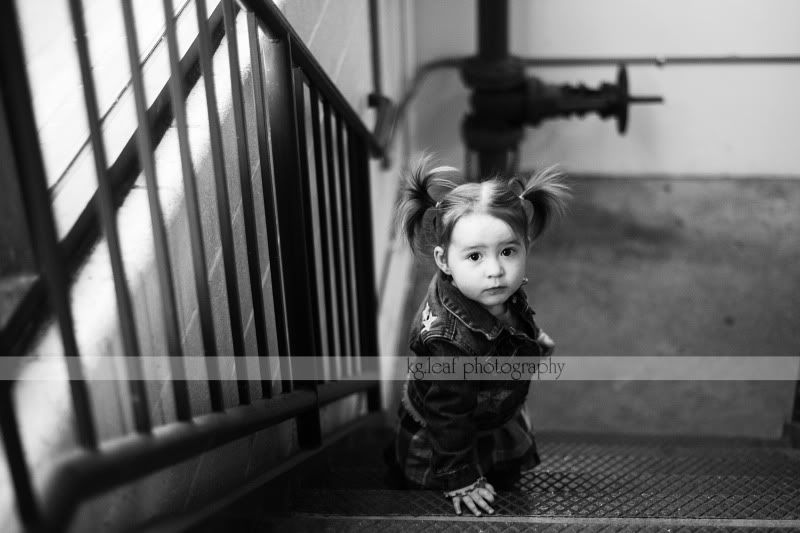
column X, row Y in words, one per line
column 588, row 482
column 511, row 525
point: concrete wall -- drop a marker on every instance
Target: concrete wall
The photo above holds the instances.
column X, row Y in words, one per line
column 717, row 122
column 338, row 35
column 736, row 120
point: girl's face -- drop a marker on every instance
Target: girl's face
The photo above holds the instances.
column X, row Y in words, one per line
column 486, row 260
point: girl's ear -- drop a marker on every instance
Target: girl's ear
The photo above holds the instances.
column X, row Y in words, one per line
column 441, row 259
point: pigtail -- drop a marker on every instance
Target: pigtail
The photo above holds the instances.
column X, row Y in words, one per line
column 547, row 193
column 422, row 183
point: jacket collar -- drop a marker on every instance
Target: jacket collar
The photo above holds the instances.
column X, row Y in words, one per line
column 471, row 313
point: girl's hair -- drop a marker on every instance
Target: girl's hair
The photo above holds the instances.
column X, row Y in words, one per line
column 526, row 206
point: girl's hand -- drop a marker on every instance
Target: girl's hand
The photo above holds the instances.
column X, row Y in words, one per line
column 476, row 499
column 546, row 343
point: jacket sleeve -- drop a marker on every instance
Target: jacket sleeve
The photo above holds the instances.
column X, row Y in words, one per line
column 449, row 406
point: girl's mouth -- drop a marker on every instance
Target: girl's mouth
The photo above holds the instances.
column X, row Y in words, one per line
column 495, row 290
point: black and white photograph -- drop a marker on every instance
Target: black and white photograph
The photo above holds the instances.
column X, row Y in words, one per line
column 399, row 265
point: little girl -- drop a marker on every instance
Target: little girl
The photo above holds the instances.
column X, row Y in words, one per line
column 454, row 434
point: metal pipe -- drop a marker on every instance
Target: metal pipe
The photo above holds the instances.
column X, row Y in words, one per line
column 343, row 142
column 192, row 203
column 270, row 200
column 493, row 70
column 18, row 109
column 336, row 390
column 83, row 474
column 27, row 505
column 455, row 62
column 145, row 56
column 246, row 187
column 375, row 42
column 659, row 61
column 338, row 278
column 224, row 218
column 163, row 263
column 108, row 222
column 272, row 18
column 331, row 316
column 297, row 86
column 493, row 30
column 365, row 273
column 309, row 424
column 291, row 204
column 78, row 476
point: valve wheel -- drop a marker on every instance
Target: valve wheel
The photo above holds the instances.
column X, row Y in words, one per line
column 623, row 99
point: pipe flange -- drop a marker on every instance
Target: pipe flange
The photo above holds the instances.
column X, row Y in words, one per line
column 482, row 75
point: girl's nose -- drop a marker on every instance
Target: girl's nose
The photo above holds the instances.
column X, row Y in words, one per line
column 494, row 268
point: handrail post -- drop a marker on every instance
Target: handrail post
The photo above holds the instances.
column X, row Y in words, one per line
column 295, row 234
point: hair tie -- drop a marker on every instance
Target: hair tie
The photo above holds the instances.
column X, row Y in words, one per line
column 437, row 204
column 521, row 197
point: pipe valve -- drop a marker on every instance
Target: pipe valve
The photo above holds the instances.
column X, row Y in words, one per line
column 538, row 101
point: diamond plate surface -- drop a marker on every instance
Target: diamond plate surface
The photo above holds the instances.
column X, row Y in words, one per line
column 607, row 477
column 581, row 478
column 356, row 525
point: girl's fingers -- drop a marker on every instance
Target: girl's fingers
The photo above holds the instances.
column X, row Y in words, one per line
column 546, row 340
column 471, row 505
column 476, row 500
column 486, row 494
column 481, row 502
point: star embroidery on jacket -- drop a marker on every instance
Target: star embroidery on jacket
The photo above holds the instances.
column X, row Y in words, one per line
column 427, row 318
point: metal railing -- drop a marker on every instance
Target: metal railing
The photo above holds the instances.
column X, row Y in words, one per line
column 340, row 144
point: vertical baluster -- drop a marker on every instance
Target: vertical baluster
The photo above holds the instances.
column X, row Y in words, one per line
column 326, row 235
column 27, row 155
column 340, row 280
column 309, row 432
column 303, row 234
column 27, row 505
column 108, row 220
column 248, row 207
column 291, row 211
column 165, row 281
column 365, row 268
column 270, row 202
column 352, row 189
column 223, row 204
column 347, row 220
column 362, row 247
column 319, row 307
column 193, row 212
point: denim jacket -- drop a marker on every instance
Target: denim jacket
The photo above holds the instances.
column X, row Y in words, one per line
column 447, row 325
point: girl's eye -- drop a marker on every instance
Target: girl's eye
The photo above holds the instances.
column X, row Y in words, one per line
column 474, row 256
column 508, row 251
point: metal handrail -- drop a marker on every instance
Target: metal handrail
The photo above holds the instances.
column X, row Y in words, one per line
column 84, row 473
column 98, row 466
column 28, row 315
column 271, row 16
